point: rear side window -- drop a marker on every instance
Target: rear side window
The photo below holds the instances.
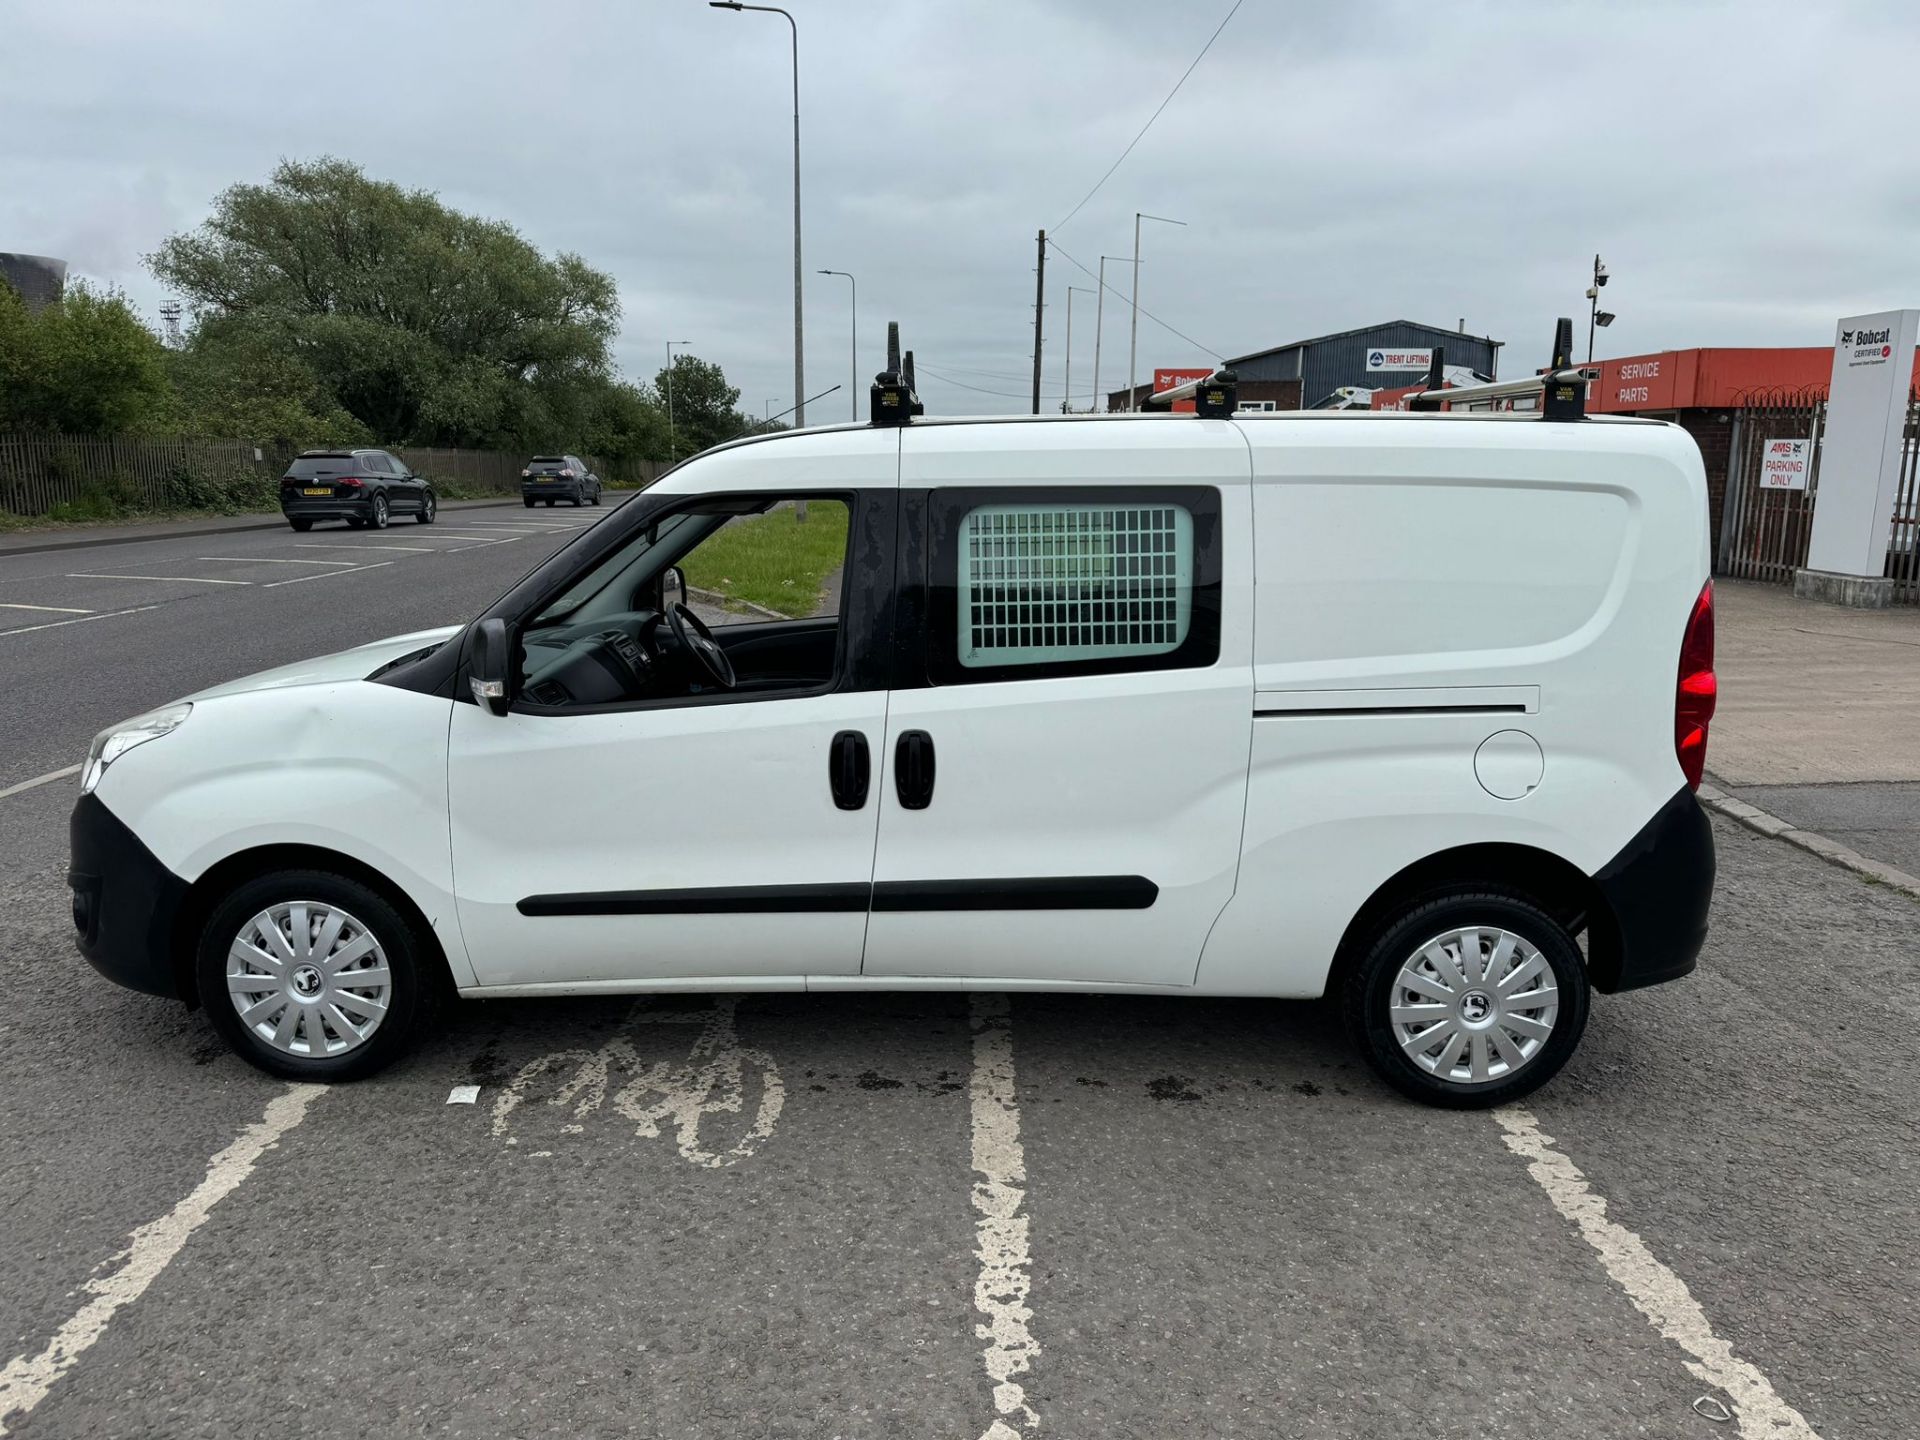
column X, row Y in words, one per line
column 377, row 463
column 1080, row 581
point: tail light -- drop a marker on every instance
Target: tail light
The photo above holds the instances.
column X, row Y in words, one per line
column 353, row 480
column 1697, row 690
column 566, row 474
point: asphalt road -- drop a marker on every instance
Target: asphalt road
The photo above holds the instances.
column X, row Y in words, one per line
column 857, row 1216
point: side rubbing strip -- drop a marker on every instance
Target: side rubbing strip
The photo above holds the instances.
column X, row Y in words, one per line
column 1062, row 892
column 714, row 900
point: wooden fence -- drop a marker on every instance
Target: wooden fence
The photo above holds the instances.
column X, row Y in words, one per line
column 39, row 471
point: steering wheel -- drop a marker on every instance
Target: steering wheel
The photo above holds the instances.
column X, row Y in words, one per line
column 693, row 636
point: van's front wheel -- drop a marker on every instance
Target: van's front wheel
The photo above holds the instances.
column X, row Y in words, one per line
column 314, row 976
column 1469, row 998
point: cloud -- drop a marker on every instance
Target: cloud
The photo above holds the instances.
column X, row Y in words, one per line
column 1744, row 167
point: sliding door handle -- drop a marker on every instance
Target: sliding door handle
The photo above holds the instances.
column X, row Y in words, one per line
column 849, row 768
column 913, row 769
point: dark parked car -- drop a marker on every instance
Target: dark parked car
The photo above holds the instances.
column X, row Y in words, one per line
column 559, row 477
column 361, row 487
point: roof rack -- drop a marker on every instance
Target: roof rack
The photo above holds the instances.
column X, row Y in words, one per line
column 891, row 399
column 1215, row 397
column 1562, row 386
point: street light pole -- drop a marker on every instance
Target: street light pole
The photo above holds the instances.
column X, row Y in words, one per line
column 673, row 445
column 1067, row 381
column 799, row 345
column 853, row 375
column 1133, row 343
column 1099, row 310
column 1593, row 304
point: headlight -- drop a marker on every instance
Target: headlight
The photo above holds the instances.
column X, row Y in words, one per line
column 110, row 745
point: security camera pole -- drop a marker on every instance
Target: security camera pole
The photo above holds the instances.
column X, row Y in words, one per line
column 1595, row 315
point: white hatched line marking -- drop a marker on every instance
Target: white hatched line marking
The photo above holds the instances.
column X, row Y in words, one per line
column 446, row 535
column 1656, row 1292
column 498, row 540
column 1000, row 1234
column 38, row 780
column 328, row 575
column 150, row 1249
column 55, row 609
column 269, row 560
column 81, row 620
column 177, row 579
column 323, row 545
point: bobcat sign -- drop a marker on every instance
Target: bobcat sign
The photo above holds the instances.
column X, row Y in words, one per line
column 1860, row 459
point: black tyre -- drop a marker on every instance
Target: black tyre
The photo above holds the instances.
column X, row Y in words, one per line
column 314, row 976
column 380, row 516
column 429, row 507
column 577, row 502
column 1470, row 997
column 596, row 496
column 529, row 500
column 303, row 526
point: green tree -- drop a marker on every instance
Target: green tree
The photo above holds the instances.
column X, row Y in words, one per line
column 426, row 325
column 85, row 365
column 242, row 385
column 703, row 404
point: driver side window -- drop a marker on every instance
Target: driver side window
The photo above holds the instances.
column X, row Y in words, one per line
column 782, row 566
column 756, row 611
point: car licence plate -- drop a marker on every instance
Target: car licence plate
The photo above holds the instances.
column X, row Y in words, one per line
column 317, row 490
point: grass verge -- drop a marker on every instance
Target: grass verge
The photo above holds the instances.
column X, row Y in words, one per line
column 774, row 560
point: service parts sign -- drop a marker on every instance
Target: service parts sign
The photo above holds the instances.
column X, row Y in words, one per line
column 1784, row 464
column 1381, row 362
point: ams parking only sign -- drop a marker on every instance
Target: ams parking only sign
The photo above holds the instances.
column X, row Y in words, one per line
column 1784, row 463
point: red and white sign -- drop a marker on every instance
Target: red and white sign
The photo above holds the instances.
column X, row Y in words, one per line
column 1784, row 464
column 1167, row 379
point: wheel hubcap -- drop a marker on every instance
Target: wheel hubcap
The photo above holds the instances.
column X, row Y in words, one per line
column 308, row 979
column 1474, row 1005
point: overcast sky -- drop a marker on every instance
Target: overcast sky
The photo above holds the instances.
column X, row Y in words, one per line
column 1749, row 171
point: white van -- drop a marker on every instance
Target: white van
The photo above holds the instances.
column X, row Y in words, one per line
column 1394, row 706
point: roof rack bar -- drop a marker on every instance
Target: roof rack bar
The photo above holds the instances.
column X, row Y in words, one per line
column 1562, row 386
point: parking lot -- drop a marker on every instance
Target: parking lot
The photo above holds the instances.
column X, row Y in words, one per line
column 927, row 1214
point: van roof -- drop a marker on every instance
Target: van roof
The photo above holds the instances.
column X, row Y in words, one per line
column 1257, row 417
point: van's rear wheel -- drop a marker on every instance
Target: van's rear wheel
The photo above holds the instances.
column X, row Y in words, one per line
column 1468, row 998
column 314, row 976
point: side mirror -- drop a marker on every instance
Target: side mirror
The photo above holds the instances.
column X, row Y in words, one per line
column 488, row 666
column 673, row 587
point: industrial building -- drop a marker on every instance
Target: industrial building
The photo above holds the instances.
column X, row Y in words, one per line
column 40, row 279
column 1327, row 369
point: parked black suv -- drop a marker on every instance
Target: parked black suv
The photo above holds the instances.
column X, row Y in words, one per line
column 559, row 477
column 361, row 487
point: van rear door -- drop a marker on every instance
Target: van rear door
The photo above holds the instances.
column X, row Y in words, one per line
column 1066, row 759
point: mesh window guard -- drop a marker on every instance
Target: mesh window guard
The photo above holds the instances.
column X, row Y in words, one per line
column 1041, row 583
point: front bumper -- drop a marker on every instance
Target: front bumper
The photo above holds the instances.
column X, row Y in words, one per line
column 1658, row 888
column 302, row 507
column 125, row 902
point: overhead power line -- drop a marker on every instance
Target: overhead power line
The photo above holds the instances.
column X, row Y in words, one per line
column 1153, row 117
column 1208, row 349
column 979, row 389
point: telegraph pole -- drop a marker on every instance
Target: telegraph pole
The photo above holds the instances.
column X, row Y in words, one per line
column 1039, row 306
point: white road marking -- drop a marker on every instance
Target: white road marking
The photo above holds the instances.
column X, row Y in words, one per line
column 82, row 620
column 463, row 1095
column 56, row 609
column 1000, row 1234
column 178, row 579
column 323, row 545
column 268, row 560
column 38, row 780
column 503, row 540
column 150, row 1249
column 328, row 575
column 1656, row 1292
column 446, row 535
column 710, row 1081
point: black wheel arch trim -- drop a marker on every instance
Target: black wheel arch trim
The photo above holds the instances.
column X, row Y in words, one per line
column 1658, row 891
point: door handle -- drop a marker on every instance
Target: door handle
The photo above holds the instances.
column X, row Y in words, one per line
column 913, row 769
column 849, row 768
